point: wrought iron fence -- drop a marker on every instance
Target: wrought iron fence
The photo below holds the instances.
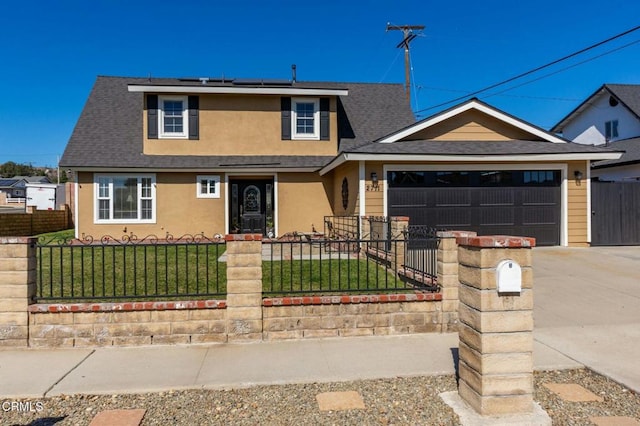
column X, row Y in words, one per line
column 342, row 227
column 421, row 253
column 130, row 268
column 336, row 267
column 194, row 267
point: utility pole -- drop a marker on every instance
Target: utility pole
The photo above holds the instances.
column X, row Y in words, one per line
column 409, row 35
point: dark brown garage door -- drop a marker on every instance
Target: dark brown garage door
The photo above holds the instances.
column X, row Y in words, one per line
column 518, row 202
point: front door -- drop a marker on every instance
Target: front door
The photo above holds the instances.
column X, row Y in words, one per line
column 251, row 206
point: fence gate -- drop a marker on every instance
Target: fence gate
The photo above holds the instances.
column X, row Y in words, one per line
column 615, row 213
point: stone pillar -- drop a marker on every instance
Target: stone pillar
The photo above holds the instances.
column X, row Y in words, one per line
column 496, row 329
column 447, row 276
column 17, row 289
column 244, row 287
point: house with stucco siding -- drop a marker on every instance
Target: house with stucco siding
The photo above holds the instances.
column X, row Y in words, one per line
column 215, row 156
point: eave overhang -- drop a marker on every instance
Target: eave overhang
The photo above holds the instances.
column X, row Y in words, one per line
column 453, row 158
column 248, row 170
column 288, row 91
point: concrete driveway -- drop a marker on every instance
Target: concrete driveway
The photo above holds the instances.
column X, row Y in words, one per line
column 587, row 306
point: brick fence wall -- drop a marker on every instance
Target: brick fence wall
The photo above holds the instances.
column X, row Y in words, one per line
column 143, row 323
column 38, row 222
column 148, row 323
column 345, row 316
column 245, row 315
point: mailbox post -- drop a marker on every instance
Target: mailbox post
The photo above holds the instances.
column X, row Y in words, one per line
column 496, row 324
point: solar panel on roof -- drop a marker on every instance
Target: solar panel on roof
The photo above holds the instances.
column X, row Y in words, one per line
column 7, row 182
column 261, row 82
column 207, row 79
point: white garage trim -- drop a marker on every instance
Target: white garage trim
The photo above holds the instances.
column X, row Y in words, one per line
column 588, row 181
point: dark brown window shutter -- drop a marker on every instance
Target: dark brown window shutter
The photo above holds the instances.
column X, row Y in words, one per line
column 194, row 117
column 152, row 116
column 324, row 119
column 285, row 107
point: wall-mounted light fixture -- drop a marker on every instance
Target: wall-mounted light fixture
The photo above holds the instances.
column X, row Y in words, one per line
column 578, row 175
column 374, row 179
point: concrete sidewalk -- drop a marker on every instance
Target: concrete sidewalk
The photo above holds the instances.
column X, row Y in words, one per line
column 38, row 373
column 586, row 311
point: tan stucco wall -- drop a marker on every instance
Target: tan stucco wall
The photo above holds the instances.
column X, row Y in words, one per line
column 472, row 126
column 242, row 125
column 350, row 171
column 178, row 211
column 303, row 201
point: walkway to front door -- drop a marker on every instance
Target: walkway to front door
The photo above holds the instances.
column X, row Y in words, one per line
column 251, row 206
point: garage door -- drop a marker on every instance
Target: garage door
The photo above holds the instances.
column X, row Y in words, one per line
column 518, row 202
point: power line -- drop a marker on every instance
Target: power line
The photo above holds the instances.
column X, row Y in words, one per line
column 566, row 68
column 549, row 98
column 413, row 80
column 524, row 74
column 390, row 66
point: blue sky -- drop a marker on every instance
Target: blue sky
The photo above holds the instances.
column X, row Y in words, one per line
column 52, row 52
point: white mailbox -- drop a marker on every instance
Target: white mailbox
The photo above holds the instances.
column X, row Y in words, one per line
column 509, row 277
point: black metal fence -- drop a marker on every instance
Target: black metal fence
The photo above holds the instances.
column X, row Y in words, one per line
column 194, row 267
column 421, row 253
column 342, row 227
column 338, row 267
column 130, row 268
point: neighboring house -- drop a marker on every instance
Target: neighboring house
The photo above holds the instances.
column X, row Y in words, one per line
column 33, row 179
column 609, row 117
column 15, row 187
column 156, row 156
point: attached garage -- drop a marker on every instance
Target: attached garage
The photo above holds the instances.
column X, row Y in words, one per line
column 514, row 202
column 474, row 167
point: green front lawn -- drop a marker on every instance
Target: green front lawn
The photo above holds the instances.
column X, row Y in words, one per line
column 100, row 272
column 191, row 271
column 331, row 276
column 56, row 237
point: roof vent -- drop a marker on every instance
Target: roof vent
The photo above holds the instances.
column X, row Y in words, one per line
column 204, row 80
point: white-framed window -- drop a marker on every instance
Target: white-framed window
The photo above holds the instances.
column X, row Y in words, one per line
column 174, row 117
column 305, row 122
column 208, row 186
column 125, row 198
column 611, row 129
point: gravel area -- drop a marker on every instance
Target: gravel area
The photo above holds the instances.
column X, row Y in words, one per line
column 399, row 401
